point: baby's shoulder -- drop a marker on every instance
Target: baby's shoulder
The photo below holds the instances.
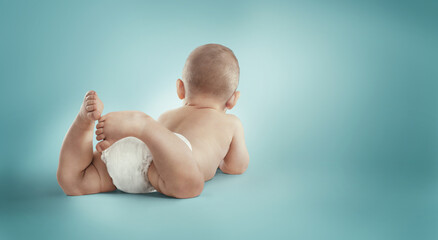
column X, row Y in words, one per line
column 232, row 117
column 233, row 120
column 166, row 115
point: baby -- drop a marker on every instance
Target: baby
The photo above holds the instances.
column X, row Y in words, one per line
column 173, row 155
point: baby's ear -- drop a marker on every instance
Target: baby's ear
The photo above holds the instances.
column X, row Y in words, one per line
column 233, row 100
column 180, row 90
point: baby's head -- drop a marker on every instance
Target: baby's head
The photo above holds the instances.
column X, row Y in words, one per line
column 210, row 75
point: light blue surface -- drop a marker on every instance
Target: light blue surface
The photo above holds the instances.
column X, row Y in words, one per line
column 339, row 104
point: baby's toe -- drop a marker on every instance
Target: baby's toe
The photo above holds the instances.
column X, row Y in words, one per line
column 103, row 118
column 93, row 115
column 90, row 102
column 100, row 125
column 103, row 145
column 90, row 108
column 96, row 115
column 99, row 147
column 100, row 137
column 99, row 131
column 89, row 94
column 90, row 97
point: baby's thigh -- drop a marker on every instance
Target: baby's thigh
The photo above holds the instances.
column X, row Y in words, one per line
column 106, row 182
column 156, row 181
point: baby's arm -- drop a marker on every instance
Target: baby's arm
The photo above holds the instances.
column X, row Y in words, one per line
column 237, row 159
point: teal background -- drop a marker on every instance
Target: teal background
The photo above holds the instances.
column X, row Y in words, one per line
column 339, row 104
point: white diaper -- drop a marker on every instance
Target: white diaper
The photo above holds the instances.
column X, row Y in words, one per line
column 127, row 161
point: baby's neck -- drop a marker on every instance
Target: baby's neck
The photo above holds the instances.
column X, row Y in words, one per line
column 204, row 103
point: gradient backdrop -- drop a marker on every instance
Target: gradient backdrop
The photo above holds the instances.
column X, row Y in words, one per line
column 339, row 104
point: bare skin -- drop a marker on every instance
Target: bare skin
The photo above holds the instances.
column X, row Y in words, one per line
column 211, row 73
column 80, row 170
column 217, row 140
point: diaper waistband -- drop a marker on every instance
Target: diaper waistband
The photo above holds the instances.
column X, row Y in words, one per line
column 184, row 140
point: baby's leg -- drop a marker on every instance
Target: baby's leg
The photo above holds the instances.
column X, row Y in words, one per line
column 80, row 171
column 174, row 170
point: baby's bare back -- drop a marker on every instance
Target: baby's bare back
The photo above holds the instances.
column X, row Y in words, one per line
column 209, row 131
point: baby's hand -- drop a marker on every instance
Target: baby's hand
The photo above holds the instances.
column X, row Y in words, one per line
column 117, row 125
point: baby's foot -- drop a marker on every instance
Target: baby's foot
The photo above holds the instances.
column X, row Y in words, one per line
column 117, row 125
column 92, row 107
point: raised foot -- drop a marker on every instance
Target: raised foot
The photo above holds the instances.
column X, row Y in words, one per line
column 92, row 106
column 117, row 125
